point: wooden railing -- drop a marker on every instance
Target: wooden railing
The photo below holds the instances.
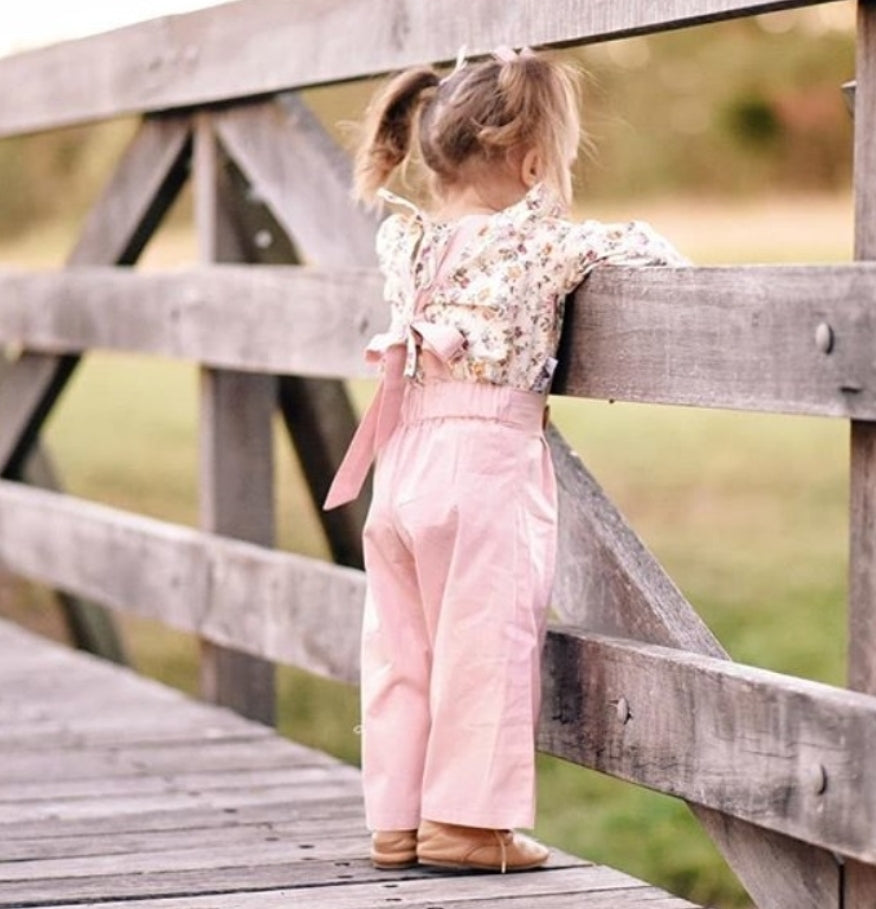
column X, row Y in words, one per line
column 779, row 770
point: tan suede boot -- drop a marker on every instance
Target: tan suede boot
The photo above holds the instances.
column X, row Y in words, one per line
column 483, row 849
column 393, row 850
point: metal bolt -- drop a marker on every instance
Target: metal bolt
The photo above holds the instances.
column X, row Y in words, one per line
column 824, row 337
column 622, row 706
column 815, row 777
column 263, row 239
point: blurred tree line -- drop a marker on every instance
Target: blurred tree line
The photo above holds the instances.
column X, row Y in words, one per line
column 752, row 105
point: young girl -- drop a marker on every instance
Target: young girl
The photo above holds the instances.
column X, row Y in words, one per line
column 460, row 538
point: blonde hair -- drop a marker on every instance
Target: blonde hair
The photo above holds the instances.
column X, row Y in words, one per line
column 478, row 114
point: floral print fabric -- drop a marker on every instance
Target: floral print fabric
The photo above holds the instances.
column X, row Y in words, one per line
column 505, row 288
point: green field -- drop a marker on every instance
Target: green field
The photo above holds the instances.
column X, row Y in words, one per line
column 747, row 512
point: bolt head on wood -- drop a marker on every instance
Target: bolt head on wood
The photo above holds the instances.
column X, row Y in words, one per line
column 263, row 239
column 824, row 337
column 623, row 710
column 815, row 777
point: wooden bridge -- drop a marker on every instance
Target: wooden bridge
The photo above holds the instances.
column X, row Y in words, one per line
column 116, row 792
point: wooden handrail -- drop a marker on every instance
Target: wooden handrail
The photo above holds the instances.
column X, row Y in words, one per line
column 242, row 49
column 787, row 339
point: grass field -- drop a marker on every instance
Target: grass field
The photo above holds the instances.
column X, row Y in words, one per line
column 747, row 512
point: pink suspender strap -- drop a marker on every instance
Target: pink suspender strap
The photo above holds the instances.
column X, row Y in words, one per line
column 399, row 362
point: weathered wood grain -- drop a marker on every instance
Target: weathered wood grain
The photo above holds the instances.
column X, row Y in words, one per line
column 743, row 338
column 786, row 754
column 300, row 834
column 292, row 836
column 589, row 888
column 713, row 337
column 90, row 626
column 859, row 881
column 268, row 319
column 305, row 196
column 277, row 605
column 317, row 413
column 350, row 897
column 256, row 47
column 342, row 884
column 608, row 582
column 236, row 475
column 298, row 171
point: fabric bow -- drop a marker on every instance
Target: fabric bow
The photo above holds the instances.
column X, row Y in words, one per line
column 400, row 355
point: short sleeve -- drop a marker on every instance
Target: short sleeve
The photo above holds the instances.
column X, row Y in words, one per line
column 633, row 243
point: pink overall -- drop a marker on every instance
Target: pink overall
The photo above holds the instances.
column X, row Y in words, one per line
column 460, row 538
column 459, row 550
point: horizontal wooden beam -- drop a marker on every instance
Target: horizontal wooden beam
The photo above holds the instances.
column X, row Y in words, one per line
column 277, row 605
column 790, row 339
column 256, row 47
column 786, row 754
column 277, row 319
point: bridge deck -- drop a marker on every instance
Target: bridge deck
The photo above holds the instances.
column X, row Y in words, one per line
column 119, row 792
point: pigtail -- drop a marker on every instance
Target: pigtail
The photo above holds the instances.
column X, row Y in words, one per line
column 539, row 102
column 388, row 129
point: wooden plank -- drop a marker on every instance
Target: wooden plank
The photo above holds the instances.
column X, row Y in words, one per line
column 303, row 835
column 351, row 898
column 744, row 338
column 254, row 47
column 304, row 197
column 608, row 582
column 343, row 884
column 316, row 810
column 279, row 836
column 277, row 605
column 786, row 754
column 859, row 880
column 236, row 451
column 133, row 785
column 713, row 337
column 266, row 319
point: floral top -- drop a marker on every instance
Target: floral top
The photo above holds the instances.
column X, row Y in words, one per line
column 504, row 290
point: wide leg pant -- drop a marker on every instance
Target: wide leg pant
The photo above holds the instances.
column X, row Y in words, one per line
column 459, row 554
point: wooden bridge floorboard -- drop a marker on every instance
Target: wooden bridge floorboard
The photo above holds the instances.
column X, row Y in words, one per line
column 118, row 792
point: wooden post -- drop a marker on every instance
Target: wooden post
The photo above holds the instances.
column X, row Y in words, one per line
column 236, row 445
column 304, row 198
column 859, row 881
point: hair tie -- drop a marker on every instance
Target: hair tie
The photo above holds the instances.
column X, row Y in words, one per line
column 507, row 54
